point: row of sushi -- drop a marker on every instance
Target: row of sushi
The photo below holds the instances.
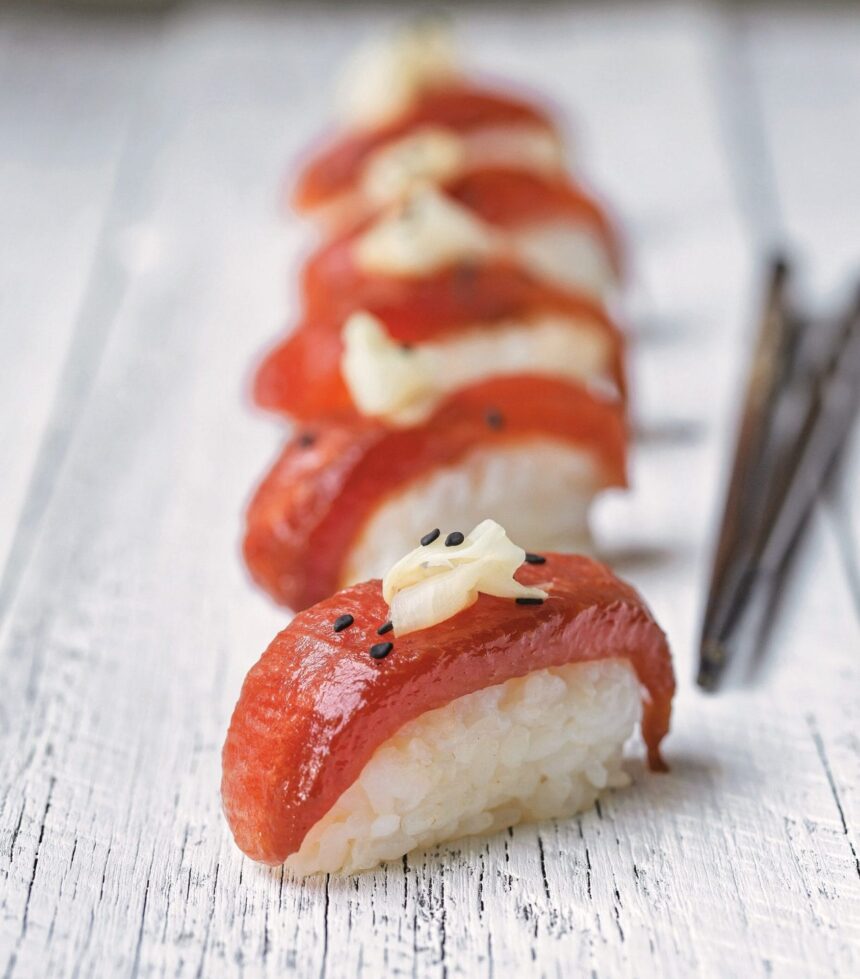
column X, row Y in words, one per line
column 455, row 367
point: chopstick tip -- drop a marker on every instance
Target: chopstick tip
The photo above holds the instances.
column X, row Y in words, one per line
column 780, row 266
column 712, row 660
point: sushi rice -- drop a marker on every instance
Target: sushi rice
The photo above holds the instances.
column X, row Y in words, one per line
column 516, row 485
column 535, row 747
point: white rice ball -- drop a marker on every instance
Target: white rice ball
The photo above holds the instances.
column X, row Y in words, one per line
column 532, row 748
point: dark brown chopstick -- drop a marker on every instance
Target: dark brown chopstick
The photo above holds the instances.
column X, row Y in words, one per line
column 832, row 410
column 798, row 424
column 775, row 344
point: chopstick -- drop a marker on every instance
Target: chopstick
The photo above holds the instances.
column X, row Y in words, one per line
column 773, row 350
column 793, row 425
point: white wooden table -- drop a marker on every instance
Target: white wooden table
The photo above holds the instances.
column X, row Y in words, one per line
column 143, row 265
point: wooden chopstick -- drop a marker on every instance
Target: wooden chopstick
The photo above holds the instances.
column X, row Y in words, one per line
column 797, row 425
column 774, row 350
column 833, row 407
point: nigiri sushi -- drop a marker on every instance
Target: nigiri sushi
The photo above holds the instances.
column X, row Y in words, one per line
column 474, row 687
column 548, row 226
column 455, row 303
column 376, row 367
column 346, row 497
column 412, row 117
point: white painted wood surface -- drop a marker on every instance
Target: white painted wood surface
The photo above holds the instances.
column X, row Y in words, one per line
column 58, row 171
column 144, row 265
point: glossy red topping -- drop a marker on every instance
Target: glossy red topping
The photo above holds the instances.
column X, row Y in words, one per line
column 511, row 198
column 310, row 508
column 458, row 106
column 316, row 706
column 517, row 198
column 301, row 376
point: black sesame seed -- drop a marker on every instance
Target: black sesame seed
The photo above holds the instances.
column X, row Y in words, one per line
column 343, row 622
column 381, row 650
column 465, row 274
column 429, row 538
column 494, row 418
column 454, row 539
column 307, row 439
column 407, row 348
column 529, row 601
column 385, row 627
column 535, row 559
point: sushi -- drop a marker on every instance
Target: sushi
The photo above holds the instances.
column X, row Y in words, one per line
column 473, row 688
column 550, row 228
column 394, row 366
column 346, row 496
column 411, row 117
column 464, row 301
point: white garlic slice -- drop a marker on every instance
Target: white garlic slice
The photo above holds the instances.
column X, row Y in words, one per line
column 436, row 581
column 385, row 77
column 425, row 233
column 429, row 154
column 385, row 379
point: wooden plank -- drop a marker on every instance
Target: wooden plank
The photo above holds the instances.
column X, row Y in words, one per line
column 68, row 97
column 133, row 624
column 180, row 344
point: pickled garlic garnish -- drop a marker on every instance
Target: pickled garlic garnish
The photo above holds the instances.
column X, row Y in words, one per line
column 426, row 232
column 429, row 155
column 385, row 379
column 436, row 581
column 384, row 78
column 434, row 154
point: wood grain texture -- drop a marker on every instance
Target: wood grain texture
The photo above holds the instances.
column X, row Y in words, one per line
column 131, row 625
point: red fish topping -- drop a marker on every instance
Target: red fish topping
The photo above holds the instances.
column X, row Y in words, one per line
column 310, row 508
column 317, row 705
column 516, row 198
